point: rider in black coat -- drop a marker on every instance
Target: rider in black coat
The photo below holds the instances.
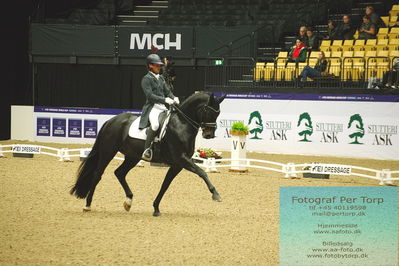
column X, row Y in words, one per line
column 158, row 94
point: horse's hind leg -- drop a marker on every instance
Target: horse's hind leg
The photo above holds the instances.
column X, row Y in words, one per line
column 121, row 173
column 102, row 164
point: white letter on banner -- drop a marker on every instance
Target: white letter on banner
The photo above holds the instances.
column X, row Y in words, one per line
column 155, row 39
column 176, row 44
column 135, row 38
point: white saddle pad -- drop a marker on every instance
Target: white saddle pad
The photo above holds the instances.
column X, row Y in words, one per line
column 135, row 132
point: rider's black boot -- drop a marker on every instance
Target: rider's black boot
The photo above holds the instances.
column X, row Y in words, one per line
column 147, row 154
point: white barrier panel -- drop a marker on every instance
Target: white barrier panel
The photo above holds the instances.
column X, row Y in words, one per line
column 353, row 126
column 385, row 176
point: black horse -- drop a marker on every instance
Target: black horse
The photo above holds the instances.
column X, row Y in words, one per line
column 200, row 110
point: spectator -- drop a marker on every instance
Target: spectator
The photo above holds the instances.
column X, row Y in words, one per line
column 374, row 18
column 320, row 67
column 332, row 31
column 390, row 78
column 168, row 72
column 346, row 28
column 313, row 40
column 297, row 53
column 302, row 36
column 367, row 30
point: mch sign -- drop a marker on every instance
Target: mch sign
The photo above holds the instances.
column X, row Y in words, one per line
column 161, row 41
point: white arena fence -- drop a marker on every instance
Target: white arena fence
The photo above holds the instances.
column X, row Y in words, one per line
column 290, row 170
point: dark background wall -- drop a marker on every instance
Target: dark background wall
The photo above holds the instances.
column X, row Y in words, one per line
column 105, row 86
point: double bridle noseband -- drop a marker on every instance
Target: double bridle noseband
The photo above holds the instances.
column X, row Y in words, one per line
column 203, row 125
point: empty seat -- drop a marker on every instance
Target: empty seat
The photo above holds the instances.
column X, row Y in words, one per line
column 258, row 71
column 392, row 21
column 383, row 33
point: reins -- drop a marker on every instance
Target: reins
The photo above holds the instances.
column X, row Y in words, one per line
column 194, row 123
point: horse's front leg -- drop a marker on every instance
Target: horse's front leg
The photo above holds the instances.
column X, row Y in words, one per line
column 189, row 165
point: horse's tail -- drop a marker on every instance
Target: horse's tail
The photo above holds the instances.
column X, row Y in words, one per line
column 86, row 172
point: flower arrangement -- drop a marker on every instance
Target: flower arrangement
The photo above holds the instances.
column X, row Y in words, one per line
column 238, row 129
column 207, row 153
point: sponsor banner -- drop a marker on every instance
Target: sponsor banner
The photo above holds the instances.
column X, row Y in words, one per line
column 43, row 126
column 59, row 127
column 74, row 128
column 30, row 149
column 90, row 128
column 331, row 169
column 71, row 125
column 171, row 41
column 289, row 125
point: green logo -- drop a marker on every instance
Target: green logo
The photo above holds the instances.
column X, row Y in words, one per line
column 255, row 124
column 356, row 128
column 305, row 126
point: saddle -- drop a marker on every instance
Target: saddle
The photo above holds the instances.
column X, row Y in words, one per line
column 135, row 132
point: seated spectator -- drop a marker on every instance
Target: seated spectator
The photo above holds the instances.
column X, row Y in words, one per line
column 374, row 18
column 346, row 30
column 302, row 36
column 332, row 32
column 390, row 78
column 313, row 40
column 320, row 67
column 367, row 30
column 297, row 53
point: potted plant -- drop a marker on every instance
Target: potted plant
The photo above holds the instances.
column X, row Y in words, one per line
column 206, row 153
column 239, row 129
column 238, row 133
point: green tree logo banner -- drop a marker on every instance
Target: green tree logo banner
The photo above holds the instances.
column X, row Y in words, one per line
column 305, row 126
column 356, row 127
column 255, row 124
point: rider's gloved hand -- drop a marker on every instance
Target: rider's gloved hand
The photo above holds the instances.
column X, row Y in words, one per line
column 169, row 101
column 176, row 100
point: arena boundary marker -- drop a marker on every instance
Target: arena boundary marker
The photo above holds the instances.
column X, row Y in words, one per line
column 290, row 170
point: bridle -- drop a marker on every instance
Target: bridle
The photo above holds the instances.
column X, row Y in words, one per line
column 203, row 125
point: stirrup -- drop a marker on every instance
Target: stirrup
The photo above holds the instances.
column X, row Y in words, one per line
column 145, row 157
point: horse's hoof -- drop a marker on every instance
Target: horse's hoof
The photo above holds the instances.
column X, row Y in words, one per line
column 216, row 197
column 86, row 209
column 127, row 206
column 156, row 214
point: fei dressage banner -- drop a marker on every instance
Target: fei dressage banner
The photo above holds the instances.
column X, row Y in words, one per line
column 363, row 126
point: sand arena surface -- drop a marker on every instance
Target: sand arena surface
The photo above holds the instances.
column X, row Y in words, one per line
column 41, row 224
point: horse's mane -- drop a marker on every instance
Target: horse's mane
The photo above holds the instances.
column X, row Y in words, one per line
column 194, row 97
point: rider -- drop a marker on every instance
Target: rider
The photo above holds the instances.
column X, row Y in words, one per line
column 158, row 94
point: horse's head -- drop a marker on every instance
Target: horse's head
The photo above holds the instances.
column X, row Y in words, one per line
column 208, row 114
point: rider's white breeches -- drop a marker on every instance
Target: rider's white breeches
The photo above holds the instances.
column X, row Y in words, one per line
column 154, row 115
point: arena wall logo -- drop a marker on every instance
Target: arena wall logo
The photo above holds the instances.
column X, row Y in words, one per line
column 305, row 126
column 255, row 124
column 329, row 132
column 146, row 40
column 356, row 127
column 278, row 129
column 382, row 134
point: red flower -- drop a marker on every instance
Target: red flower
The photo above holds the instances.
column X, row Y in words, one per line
column 202, row 154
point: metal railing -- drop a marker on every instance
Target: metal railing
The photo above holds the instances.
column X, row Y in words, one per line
column 346, row 73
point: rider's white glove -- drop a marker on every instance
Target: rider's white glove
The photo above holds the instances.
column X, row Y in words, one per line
column 169, row 101
column 177, row 101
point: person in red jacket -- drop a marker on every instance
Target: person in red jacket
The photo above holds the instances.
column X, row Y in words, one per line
column 297, row 53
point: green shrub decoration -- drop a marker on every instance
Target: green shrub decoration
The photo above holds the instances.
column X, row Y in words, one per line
column 238, row 128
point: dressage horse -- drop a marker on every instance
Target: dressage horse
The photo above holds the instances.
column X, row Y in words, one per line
column 200, row 110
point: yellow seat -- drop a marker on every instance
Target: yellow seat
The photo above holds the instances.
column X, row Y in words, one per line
column 336, row 54
column 392, row 21
column 324, row 48
column 393, row 33
column 382, row 44
column 327, row 54
column 358, row 54
column 393, row 47
column 356, row 35
column 314, row 54
column 337, row 43
column 385, row 19
column 290, row 72
column 334, row 48
column 348, row 42
column 282, row 54
column 370, row 45
column 358, row 48
column 325, row 43
column 393, row 54
column 268, row 71
column 358, row 68
column 312, row 61
column 258, row 71
column 360, row 42
column 347, row 48
column 394, row 10
column 347, row 65
column 383, row 53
